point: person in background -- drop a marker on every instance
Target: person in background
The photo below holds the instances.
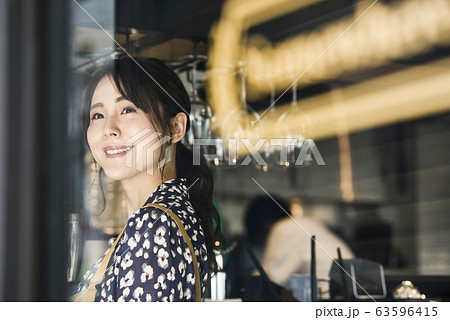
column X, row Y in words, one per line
column 261, row 214
column 288, row 247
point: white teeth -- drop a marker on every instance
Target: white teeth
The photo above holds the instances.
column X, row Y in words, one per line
column 115, row 151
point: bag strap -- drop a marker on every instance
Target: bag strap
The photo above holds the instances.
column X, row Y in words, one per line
column 198, row 290
column 99, row 273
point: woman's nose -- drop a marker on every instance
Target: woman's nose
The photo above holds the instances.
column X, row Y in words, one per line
column 111, row 127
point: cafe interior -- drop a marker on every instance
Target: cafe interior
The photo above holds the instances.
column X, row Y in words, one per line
column 324, row 123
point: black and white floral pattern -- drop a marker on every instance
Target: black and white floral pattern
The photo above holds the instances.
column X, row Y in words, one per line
column 152, row 262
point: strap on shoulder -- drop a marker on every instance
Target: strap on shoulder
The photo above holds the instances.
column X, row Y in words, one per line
column 198, row 291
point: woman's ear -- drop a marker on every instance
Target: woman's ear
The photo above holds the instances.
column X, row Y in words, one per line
column 179, row 123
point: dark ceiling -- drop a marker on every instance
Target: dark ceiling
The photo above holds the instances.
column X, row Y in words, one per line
column 193, row 19
column 161, row 21
column 190, row 19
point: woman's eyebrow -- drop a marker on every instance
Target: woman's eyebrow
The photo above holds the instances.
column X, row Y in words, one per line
column 118, row 99
column 97, row 105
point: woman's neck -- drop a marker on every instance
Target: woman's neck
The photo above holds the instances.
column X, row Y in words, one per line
column 140, row 187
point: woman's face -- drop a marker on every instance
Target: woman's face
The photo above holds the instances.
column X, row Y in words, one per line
column 115, row 126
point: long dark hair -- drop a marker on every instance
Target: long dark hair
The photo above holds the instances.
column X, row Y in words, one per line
column 154, row 88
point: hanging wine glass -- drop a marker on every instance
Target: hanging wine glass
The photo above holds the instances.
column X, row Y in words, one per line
column 292, row 137
column 268, row 150
column 246, row 112
column 201, row 114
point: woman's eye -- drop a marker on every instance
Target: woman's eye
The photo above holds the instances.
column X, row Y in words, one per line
column 96, row 116
column 128, row 110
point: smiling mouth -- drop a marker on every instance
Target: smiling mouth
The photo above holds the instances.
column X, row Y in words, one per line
column 112, row 152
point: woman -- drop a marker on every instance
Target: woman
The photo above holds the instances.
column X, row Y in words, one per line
column 135, row 106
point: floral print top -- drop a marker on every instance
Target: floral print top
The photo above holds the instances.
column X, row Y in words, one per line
column 152, row 262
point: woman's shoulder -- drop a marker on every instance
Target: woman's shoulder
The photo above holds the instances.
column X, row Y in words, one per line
column 151, row 217
column 161, row 216
column 171, row 196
